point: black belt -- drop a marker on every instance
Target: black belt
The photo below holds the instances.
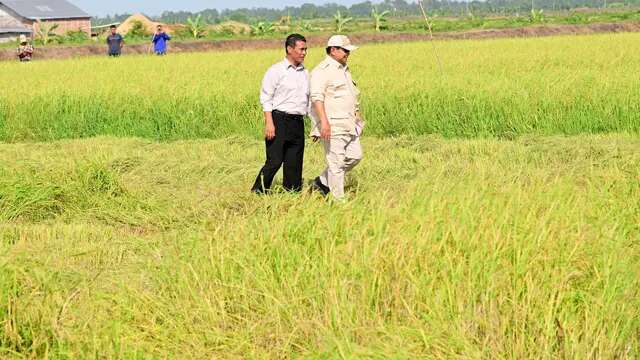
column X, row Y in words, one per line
column 287, row 115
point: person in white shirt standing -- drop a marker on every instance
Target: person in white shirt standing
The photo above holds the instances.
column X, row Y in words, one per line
column 285, row 101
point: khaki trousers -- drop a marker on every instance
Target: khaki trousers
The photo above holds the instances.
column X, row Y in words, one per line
column 343, row 153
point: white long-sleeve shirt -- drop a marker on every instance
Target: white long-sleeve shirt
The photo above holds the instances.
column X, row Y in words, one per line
column 285, row 88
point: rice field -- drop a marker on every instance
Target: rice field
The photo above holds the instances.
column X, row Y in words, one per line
column 498, row 88
column 496, row 214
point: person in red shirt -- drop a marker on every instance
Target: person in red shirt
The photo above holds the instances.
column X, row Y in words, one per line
column 25, row 50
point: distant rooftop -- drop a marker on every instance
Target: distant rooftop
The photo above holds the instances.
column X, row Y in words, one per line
column 45, row 9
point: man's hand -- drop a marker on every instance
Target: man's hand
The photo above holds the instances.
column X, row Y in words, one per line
column 270, row 131
column 269, row 126
column 325, row 130
column 325, row 127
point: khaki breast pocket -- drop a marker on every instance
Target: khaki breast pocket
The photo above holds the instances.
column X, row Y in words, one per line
column 340, row 89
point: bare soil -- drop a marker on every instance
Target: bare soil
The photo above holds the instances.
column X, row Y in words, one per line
column 63, row 52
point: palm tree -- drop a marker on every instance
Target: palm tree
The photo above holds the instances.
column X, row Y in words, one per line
column 341, row 21
column 378, row 18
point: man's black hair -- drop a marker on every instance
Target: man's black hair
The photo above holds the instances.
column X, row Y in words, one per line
column 113, row 27
column 292, row 40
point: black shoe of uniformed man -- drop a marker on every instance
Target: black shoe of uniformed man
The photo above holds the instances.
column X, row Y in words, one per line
column 319, row 186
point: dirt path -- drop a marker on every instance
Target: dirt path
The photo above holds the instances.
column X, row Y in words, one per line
column 62, row 52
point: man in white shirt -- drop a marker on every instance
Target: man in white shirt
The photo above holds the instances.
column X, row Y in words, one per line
column 285, row 101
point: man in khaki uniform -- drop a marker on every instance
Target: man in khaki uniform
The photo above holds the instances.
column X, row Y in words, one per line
column 336, row 116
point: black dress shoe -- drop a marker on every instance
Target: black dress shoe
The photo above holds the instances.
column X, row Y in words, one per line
column 319, row 186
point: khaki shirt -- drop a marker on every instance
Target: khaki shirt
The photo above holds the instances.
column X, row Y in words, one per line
column 331, row 83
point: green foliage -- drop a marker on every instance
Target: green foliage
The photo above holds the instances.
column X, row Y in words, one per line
column 138, row 30
column 495, row 214
column 239, row 17
column 442, row 247
column 262, row 28
column 340, row 21
column 226, row 31
column 197, row 27
column 379, row 18
column 307, row 26
column 488, row 89
column 75, row 37
column 576, row 18
column 45, row 32
column 34, row 197
column 475, row 20
column 537, row 16
column 30, row 197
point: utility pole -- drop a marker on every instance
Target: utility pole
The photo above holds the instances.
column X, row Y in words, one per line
column 430, row 28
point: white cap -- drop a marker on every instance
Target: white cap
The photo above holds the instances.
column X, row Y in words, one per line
column 342, row 42
column 23, row 39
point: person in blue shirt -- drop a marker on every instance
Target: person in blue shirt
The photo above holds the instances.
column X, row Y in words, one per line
column 115, row 42
column 159, row 41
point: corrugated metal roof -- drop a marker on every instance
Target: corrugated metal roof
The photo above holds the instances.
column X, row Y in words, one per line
column 45, row 9
column 15, row 31
column 9, row 22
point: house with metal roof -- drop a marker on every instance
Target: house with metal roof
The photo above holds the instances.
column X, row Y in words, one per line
column 23, row 16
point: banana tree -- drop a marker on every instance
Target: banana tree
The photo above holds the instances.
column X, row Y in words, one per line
column 341, row 21
column 46, row 31
column 537, row 16
column 378, row 18
column 262, row 28
column 196, row 27
column 305, row 25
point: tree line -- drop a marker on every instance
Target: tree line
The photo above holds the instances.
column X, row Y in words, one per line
column 396, row 8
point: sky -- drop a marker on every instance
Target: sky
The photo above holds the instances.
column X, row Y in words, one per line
column 152, row 8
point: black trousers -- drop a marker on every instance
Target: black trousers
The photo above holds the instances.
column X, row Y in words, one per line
column 286, row 148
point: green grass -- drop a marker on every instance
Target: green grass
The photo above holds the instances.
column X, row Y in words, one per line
column 467, row 248
column 498, row 88
column 496, row 214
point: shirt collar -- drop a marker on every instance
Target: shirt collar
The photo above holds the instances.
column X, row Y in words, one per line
column 288, row 65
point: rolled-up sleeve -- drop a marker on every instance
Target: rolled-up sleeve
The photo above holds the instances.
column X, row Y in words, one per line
column 318, row 85
column 268, row 89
